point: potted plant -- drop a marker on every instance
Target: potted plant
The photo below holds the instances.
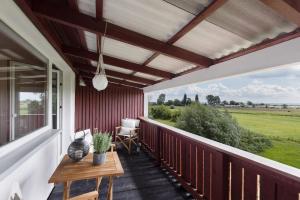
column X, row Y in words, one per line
column 102, row 142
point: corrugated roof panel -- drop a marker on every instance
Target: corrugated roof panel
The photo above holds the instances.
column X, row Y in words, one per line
column 251, row 20
column 118, row 69
column 125, row 51
column 155, row 18
column 91, row 41
column 155, row 78
column 87, row 7
column 191, row 6
column 170, row 64
column 211, row 41
column 115, row 77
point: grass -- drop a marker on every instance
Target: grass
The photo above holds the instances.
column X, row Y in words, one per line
column 271, row 125
column 166, row 121
column 286, row 152
column 281, row 125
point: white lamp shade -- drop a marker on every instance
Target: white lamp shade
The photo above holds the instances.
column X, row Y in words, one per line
column 100, row 82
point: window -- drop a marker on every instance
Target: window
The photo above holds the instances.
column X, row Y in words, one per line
column 23, row 87
column 56, row 98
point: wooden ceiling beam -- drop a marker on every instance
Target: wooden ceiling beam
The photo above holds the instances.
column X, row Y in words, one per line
column 91, row 69
column 197, row 20
column 189, row 26
column 113, row 81
column 289, row 9
column 124, row 82
column 66, row 16
column 88, row 79
column 117, row 62
column 54, row 41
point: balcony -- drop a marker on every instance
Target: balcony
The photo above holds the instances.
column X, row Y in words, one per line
column 50, row 51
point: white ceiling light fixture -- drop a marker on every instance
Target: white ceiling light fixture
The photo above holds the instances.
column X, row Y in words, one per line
column 100, row 80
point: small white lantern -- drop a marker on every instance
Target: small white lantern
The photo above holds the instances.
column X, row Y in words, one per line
column 100, row 81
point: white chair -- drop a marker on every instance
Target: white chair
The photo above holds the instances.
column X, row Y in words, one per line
column 127, row 133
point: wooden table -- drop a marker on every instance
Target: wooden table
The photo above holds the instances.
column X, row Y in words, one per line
column 68, row 171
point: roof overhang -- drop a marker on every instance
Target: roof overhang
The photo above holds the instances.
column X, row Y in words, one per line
column 284, row 54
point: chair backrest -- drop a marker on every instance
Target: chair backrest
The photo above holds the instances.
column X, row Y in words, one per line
column 130, row 123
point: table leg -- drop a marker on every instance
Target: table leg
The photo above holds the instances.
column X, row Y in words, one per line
column 98, row 181
column 110, row 189
column 67, row 190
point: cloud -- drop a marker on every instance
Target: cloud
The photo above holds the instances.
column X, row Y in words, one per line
column 280, row 85
column 256, row 91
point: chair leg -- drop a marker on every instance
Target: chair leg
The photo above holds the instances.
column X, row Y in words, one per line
column 129, row 147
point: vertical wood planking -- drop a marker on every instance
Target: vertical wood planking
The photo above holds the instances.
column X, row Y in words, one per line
column 250, row 184
column 207, row 174
column 104, row 110
column 268, row 188
column 236, row 189
column 200, row 170
column 193, row 166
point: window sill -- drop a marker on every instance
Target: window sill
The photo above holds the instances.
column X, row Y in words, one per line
column 12, row 160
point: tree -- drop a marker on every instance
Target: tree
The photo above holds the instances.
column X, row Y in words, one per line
column 177, row 102
column 34, row 107
column 249, row 103
column 220, row 126
column 284, row 106
column 183, row 102
column 210, row 99
column 213, row 100
column 217, row 100
column 161, row 99
column 225, row 103
column 188, row 101
column 232, row 102
column 169, row 103
column 197, row 98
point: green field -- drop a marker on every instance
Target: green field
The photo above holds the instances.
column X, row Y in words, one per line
column 282, row 126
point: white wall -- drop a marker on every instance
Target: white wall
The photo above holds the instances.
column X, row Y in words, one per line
column 31, row 171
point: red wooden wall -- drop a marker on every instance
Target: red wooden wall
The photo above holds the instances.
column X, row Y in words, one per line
column 104, row 110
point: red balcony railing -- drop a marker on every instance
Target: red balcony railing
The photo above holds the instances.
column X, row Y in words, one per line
column 214, row 171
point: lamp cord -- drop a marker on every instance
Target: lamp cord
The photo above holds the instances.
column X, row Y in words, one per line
column 100, row 45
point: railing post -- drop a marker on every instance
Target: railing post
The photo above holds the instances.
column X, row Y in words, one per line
column 220, row 177
column 158, row 144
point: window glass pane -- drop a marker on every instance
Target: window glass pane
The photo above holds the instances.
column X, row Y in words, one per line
column 30, row 99
column 23, row 87
column 54, row 99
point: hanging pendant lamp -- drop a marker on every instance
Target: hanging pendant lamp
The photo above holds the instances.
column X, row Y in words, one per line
column 100, row 81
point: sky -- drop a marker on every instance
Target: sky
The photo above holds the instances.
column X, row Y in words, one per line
column 276, row 85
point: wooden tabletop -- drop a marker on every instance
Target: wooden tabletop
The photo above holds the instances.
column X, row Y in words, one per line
column 69, row 170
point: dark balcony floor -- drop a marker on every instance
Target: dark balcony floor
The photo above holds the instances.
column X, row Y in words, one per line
column 142, row 180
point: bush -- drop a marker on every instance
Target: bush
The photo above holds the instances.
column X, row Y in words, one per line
column 174, row 115
column 211, row 123
column 253, row 142
column 160, row 112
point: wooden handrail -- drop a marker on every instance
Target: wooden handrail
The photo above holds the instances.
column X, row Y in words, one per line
column 213, row 170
